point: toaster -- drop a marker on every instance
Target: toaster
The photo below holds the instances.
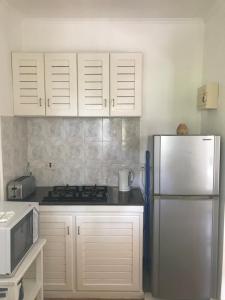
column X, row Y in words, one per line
column 21, row 188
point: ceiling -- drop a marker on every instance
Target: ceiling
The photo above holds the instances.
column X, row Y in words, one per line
column 114, row 8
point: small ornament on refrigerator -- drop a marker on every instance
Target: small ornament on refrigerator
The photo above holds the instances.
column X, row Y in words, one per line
column 182, row 129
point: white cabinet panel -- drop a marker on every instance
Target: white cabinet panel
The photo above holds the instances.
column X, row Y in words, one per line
column 126, row 84
column 108, row 253
column 61, row 84
column 28, row 84
column 103, row 84
column 57, row 230
column 93, row 84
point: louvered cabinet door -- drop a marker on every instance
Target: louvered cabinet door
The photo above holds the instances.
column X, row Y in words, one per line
column 108, row 253
column 61, row 84
column 57, row 230
column 28, row 84
column 126, row 84
column 93, row 84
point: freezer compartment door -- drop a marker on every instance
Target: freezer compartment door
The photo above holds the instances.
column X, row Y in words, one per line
column 186, row 165
column 185, row 248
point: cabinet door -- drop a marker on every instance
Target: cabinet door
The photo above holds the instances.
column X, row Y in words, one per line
column 126, row 84
column 57, row 230
column 28, row 84
column 108, row 253
column 61, row 84
column 185, row 248
column 93, row 84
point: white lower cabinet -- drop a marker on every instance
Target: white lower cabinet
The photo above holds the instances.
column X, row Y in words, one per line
column 108, row 253
column 92, row 254
column 57, row 230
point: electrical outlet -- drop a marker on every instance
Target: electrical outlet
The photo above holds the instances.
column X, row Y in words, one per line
column 50, row 165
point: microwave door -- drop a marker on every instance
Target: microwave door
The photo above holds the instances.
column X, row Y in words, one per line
column 186, row 165
column 21, row 239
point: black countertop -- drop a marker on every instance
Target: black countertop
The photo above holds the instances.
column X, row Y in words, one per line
column 133, row 197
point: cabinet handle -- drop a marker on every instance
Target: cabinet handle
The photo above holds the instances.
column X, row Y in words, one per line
column 68, row 230
column 113, row 102
column 78, row 230
column 40, row 102
column 48, row 102
column 204, row 99
column 105, row 100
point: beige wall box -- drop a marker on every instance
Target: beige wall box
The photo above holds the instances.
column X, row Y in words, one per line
column 208, row 96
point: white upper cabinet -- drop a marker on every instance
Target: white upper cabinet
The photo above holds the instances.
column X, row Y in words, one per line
column 126, row 84
column 93, row 84
column 28, row 83
column 61, row 84
column 45, row 84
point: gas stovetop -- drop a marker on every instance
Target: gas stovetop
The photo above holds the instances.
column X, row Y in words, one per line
column 77, row 194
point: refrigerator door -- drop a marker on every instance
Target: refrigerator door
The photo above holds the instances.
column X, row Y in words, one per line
column 186, row 165
column 185, row 248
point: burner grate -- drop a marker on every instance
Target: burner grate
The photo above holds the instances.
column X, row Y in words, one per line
column 77, row 194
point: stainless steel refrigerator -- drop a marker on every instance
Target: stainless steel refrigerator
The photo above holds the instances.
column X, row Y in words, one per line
column 185, row 216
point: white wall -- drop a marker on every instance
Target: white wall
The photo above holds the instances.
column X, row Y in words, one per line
column 1, row 167
column 10, row 38
column 173, row 52
column 14, row 143
column 214, row 121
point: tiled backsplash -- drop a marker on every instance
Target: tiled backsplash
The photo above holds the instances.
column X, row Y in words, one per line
column 82, row 150
column 14, row 147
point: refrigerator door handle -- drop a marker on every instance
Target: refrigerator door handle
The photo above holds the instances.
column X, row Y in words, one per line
column 216, row 167
column 157, row 152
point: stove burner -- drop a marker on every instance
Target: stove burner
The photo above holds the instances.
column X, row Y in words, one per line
column 77, row 194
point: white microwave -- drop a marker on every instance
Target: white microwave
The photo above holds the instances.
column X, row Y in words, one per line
column 17, row 235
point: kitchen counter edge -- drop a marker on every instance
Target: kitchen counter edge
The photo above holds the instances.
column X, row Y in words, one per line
column 133, row 198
